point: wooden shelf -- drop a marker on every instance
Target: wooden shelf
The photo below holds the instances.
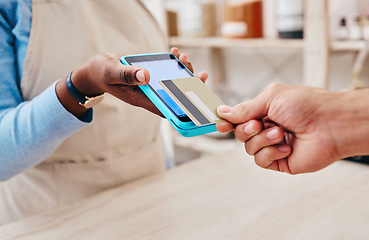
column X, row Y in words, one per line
column 348, row 45
column 220, row 42
column 316, row 47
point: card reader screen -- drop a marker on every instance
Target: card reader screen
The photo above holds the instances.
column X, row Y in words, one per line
column 164, row 69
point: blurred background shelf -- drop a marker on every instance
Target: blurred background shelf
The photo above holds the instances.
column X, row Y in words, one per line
column 220, row 42
column 317, row 47
column 348, row 45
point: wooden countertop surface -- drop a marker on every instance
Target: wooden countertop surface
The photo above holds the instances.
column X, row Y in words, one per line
column 219, row 197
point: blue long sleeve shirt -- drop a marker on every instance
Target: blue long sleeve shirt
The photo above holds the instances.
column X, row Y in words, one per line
column 29, row 130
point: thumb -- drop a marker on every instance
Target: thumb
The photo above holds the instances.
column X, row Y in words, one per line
column 108, row 67
column 118, row 74
column 132, row 75
column 244, row 112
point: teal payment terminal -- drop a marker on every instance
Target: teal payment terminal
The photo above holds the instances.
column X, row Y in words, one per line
column 165, row 66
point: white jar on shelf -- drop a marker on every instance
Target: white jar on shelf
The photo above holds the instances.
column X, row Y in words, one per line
column 290, row 18
column 342, row 32
column 190, row 19
column 366, row 29
column 198, row 18
column 355, row 29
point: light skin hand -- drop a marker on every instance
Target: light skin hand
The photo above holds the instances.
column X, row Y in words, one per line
column 104, row 73
column 298, row 129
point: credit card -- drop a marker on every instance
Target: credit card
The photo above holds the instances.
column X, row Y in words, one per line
column 195, row 99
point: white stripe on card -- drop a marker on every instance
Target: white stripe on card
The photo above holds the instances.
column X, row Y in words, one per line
column 200, row 104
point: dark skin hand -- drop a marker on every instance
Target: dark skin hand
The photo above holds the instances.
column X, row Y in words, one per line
column 104, row 73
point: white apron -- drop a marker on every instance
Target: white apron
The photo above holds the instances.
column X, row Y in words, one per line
column 122, row 143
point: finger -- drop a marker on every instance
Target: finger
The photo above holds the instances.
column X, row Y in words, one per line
column 175, row 52
column 246, row 131
column 133, row 75
column 224, row 127
column 186, row 61
column 182, row 57
column 283, row 164
column 268, row 157
column 135, row 96
column 244, row 112
column 265, row 138
column 203, row 76
column 117, row 73
column 254, row 109
column 268, row 123
column 143, row 101
column 280, row 165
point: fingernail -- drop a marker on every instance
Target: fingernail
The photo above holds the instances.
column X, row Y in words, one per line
column 248, row 129
column 284, row 148
column 140, row 76
column 224, row 109
column 272, row 134
column 186, row 58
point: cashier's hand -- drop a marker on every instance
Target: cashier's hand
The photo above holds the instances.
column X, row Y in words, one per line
column 288, row 128
column 105, row 73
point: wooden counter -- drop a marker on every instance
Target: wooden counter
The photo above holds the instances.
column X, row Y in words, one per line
column 219, row 197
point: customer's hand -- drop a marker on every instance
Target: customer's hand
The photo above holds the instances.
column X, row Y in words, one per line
column 104, row 73
column 298, row 129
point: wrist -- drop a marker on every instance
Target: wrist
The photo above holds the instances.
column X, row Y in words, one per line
column 85, row 82
column 350, row 120
column 67, row 100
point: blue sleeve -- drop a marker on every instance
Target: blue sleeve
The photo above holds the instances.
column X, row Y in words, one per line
column 29, row 131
